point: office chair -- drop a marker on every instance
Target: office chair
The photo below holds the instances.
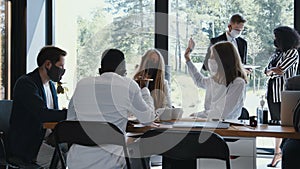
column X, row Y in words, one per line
column 181, row 149
column 74, row 132
column 5, row 112
column 244, row 114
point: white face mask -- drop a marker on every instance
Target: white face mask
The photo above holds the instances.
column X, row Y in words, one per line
column 235, row 33
column 212, row 66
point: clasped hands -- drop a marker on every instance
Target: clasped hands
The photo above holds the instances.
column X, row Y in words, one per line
column 277, row 70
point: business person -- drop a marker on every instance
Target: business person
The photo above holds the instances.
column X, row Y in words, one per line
column 110, row 97
column 152, row 66
column 282, row 65
column 235, row 27
column 35, row 102
column 226, row 85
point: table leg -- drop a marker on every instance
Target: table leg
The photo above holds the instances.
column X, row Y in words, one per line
column 54, row 160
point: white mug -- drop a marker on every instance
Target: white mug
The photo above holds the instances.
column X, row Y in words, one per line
column 164, row 114
column 177, row 113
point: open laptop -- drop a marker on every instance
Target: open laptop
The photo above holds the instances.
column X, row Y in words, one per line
column 197, row 124
column 289, row 99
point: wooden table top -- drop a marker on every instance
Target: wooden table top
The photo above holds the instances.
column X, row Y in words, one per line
column 233, row 130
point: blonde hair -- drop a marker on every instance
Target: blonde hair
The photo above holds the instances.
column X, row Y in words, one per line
column 229, row 62
column 157, row 92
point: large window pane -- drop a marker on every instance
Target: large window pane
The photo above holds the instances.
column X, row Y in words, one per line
column 90, row 27
column 205, row 19
column 3, row 50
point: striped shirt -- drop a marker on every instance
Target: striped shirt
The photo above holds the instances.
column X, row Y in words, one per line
column 288, row 61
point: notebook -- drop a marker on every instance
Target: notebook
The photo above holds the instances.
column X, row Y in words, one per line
column 197, row 124
column 289, row 99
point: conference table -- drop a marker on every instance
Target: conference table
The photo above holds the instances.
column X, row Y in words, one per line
column 234, row 130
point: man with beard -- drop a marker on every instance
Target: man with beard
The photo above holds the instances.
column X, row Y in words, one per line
column 35, row 102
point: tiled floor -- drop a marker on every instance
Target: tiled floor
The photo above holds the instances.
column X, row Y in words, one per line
column 261, row 163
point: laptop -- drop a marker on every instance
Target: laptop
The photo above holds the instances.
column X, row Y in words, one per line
column 197, row 124
column 289, row 100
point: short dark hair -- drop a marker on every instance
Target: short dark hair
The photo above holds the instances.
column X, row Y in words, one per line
column 51, row 53
column 111, row 60
column 237, row 18
column 287, row 38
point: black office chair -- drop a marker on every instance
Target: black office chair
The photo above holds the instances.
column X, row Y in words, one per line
column 5, row 112
column 244, row 114
column 181, row 149
column 74, row 132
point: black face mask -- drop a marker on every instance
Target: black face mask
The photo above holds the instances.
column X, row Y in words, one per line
column 275, row 43
column 151, row 72
column 55, row 73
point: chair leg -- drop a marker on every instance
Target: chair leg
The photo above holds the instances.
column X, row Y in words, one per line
column 61, row 156
column 127, row 158
column 54, row 160
column 228, row 164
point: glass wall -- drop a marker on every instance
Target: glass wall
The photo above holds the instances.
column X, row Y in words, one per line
column 90, row 27
column 3, row 50
column 205, row 19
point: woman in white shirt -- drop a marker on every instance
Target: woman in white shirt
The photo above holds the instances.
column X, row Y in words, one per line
column 226, row 85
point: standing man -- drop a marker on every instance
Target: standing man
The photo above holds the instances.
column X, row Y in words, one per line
column 235, row 28
column 35, row 102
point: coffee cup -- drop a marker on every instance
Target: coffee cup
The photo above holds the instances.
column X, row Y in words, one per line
column 177, row 113
column 164, row 114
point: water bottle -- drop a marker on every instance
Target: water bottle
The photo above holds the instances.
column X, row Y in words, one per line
column 265, row 116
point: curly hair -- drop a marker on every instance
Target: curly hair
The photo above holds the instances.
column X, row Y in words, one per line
column 286, row 38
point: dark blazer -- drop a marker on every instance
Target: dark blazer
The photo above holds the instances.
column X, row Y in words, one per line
column 29, row 112
column 241, row 43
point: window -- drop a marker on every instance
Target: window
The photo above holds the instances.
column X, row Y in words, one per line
column 205, row 19
column 4, row 66
column 90, row 27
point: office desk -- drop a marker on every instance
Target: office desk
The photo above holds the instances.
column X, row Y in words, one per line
column 246, row 133
column 233, row 130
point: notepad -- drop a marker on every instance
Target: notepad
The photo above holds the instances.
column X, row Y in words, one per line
column 196, row 124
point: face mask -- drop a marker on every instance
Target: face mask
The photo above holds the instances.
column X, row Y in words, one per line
column 151, row 72
column 235, row 33
column 55, row 73
column 212, row 66
column 276, row 43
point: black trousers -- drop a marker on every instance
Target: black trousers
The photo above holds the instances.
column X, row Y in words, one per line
column 274, row 108
column 290, row 154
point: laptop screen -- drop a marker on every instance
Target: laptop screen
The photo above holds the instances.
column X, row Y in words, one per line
column 289, row 99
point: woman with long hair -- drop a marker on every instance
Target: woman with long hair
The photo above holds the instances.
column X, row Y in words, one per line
column 152, row 68
column 282, row 65
column 226, row 85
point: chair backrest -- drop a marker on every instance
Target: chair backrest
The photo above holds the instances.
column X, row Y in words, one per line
column 5, row 112
column 88, row 133
column 244, row 114
column 184, row 145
